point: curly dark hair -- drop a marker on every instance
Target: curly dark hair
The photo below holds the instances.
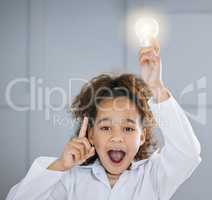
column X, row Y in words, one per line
column 107, row 85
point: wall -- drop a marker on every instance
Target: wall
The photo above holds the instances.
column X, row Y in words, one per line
column 56, row 41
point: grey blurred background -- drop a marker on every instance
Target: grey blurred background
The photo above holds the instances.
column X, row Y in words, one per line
column 55, row 41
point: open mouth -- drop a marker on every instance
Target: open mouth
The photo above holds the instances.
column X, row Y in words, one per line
column 116, row 156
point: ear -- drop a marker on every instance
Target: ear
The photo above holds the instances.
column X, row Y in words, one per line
column 90, row 136
column 143, row 136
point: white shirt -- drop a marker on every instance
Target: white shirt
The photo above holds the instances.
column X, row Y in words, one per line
column 155, row 178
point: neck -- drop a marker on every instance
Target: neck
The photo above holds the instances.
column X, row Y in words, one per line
column 112, row 178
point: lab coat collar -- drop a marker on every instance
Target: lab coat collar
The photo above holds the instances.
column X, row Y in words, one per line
column 99, row 171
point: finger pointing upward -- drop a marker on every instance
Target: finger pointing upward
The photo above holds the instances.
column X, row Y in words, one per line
column 83, row 129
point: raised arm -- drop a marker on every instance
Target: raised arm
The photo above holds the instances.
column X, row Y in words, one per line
column 181, row 153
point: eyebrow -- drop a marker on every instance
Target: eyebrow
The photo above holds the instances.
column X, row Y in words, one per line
column 103, row 119
column 130, row 120
column 108, row 119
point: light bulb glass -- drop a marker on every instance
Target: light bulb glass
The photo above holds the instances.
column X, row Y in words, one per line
column 145, row 29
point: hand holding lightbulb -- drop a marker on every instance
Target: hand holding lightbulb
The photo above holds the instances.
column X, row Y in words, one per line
column 149, row 56
column 150, row 64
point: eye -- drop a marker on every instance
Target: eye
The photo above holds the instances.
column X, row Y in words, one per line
column 105, row 128
column 128, row 129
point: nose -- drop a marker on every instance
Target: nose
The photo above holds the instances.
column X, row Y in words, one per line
column 117, row 137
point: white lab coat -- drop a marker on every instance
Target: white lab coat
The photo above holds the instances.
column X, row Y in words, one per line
column 155, row 178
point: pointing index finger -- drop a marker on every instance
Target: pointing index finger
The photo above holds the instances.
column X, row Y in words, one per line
column 83, row 129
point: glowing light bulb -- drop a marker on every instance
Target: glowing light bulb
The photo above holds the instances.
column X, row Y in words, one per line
column 145, row 29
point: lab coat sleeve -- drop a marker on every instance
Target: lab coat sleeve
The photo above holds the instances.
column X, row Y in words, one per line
column 180, row 154
column 40, row 183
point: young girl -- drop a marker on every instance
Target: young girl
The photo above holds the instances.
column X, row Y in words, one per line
column 115, row 155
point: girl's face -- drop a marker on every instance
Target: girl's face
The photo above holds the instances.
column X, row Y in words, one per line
column 117, row 133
